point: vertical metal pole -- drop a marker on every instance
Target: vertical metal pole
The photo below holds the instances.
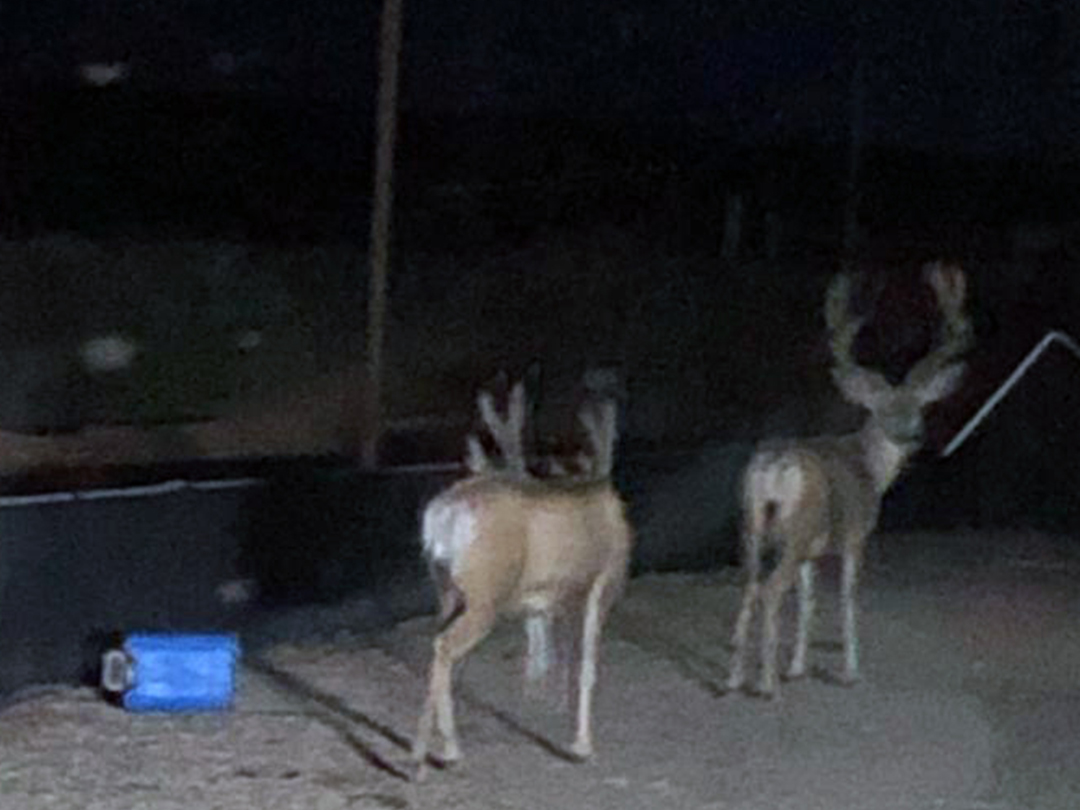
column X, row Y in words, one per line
column 379, row 244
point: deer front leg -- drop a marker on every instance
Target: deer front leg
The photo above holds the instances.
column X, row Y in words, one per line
column 848, row 587
column 538, row 632
column 797, row 668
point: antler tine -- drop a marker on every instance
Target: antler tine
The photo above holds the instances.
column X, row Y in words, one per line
column 857, row 384
column 949, row 284
column 842, row 325
column 600, row 422
column 507, row 432
column 476, row 460
column 956, row 334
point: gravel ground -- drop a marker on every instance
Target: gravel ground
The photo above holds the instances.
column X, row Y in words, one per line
column 970, row 701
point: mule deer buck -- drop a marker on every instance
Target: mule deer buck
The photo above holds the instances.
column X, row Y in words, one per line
column 502, row 542
column 807, row 498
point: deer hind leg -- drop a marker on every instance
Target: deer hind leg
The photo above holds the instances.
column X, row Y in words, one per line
column 464, row 631
column 848, row 587
column 776, row 587
column 772, row 598
column 797, row 667
column 751, row 594
column 597, row 604
column 737, row 672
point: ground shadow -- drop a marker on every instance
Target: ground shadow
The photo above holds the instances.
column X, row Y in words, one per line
column 335, row 714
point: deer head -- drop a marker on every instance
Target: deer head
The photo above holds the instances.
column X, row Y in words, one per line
column 897, row 411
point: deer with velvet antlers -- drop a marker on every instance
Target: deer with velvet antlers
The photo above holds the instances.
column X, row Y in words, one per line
column 502, row 542
column 806, row 498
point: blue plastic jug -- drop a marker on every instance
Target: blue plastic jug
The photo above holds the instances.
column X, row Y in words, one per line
column 173, row 672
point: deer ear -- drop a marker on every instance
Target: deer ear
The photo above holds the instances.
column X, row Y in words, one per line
column 861, row 386
column 940, row 385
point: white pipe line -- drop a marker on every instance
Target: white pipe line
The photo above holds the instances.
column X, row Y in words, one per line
column 146, row 491
column 179, row 485
column 1003, row 389
column 139, row 491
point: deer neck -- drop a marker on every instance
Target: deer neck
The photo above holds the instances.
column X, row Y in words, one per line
column 884, row 457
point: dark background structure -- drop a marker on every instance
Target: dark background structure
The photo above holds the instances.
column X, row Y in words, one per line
column 658, row 188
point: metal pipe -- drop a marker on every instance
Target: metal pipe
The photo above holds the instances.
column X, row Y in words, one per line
column 1021, row 369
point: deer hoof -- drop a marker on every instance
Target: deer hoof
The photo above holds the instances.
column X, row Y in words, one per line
column 581, row 750
column 767, row 691
column 795, row 673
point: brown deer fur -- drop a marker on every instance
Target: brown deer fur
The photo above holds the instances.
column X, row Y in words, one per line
column 501, row 543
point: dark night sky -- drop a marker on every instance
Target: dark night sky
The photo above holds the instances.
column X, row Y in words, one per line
column 983, row 76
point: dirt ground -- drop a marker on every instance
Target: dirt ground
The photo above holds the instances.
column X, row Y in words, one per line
column 970, row 701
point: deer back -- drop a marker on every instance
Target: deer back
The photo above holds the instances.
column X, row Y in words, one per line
column 526, row 544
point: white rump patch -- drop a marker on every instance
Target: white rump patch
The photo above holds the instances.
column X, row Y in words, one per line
column 448, row 527
column 778, row 480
